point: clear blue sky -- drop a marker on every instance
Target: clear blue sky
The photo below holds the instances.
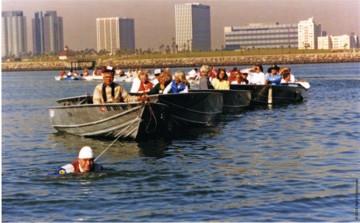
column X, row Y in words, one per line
column 154, row 19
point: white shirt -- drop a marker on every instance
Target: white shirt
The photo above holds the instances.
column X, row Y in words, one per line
column 135, row 85
column 256, row 78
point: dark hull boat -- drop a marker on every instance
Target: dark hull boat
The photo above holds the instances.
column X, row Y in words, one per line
column 274, row 94
column 134, row 121
column 193, row 109
column 234, row 101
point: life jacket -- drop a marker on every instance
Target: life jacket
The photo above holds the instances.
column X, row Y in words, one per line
column 176, row 88
column 112, row 85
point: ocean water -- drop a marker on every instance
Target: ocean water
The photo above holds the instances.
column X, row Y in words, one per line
column 291, row 163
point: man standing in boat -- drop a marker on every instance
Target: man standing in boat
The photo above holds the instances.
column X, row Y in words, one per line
column 83, row 164
column 110, row 92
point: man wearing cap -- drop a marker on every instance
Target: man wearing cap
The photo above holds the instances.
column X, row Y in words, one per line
column 83, row 164
column 273, row 77
column 157, row 73
column 110, row 92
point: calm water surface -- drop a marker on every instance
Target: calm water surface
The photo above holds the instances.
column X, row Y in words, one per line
column 291, row 163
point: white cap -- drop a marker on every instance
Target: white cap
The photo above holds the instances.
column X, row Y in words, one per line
column 157, row 71
column 86, row 153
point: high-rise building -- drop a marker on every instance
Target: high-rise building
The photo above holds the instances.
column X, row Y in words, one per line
column 48, row 35
column 13, row 33
column 192, row 27
column 308, row 32
column 258, row 35
column 115, row 33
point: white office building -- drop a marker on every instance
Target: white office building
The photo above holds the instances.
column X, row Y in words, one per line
column 192, row 27
column 343, row 42
column 324, row 42
column 259, row 35
column 115, row 33
column 308, row 31
column 13, row 33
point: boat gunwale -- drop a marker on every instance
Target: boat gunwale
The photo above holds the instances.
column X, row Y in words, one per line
column 284, row 85
column 101, row 120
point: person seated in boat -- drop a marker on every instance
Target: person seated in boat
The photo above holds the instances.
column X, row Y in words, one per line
column 110, row 92
column 285, row 77
column 213, row 73
column 256, row 75
column 233, row 73
column 241, row 79
column 85, row 73
column 204, row 83
column 220, row 82
column 62, row 74
column 135, row 83
column 157, row 73
column 145, row 84
column 178, row 85
column 193, row 75
column 288, row 70
column 273, row 77
column 164, row 80
column 83, row 164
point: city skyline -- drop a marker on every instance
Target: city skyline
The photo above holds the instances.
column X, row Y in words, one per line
column 154, row 16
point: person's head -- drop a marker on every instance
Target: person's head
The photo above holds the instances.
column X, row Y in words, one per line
column 86, row 159
column 274, row 69
column 157, row 73
column 284, row 70
column 204, row 70
column 221, row 74
column 108, row 76
column 165, row 78
column 143, row 76
column 258, row 68
column 286, row 75
column 180, row 77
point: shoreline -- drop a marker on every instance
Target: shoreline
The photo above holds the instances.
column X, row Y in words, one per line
column 237, row 60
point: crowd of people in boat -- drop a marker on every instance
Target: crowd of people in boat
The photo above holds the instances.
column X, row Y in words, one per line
column 164, row 82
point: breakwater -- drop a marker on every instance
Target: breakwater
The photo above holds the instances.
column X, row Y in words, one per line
column 192, row 61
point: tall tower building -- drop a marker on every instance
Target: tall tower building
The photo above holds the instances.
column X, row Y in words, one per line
column 48, row 35
column 115, row 33
column 308, row 32
column 192, row 27
column 13, row 33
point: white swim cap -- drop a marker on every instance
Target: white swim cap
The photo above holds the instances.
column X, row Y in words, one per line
column 86, row 153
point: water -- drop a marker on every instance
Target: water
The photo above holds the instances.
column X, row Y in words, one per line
column 290, row 163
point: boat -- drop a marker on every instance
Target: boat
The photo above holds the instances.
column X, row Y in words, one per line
column 135, row 121
column 68, row 78
column 275, row 94
column 234, row 101
column 194, row 109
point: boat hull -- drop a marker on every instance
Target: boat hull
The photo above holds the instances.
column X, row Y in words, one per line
column 274, row 94
column 193, row 109
column 234, row 101
column 135, row 121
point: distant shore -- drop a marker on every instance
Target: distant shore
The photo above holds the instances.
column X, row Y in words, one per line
column 161, row 62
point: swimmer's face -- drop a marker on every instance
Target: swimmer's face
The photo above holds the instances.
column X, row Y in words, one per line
column 86, row 164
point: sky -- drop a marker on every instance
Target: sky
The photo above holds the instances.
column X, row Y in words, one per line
column 155, row 23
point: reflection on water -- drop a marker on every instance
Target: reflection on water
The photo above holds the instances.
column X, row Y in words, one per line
column 286, row 163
